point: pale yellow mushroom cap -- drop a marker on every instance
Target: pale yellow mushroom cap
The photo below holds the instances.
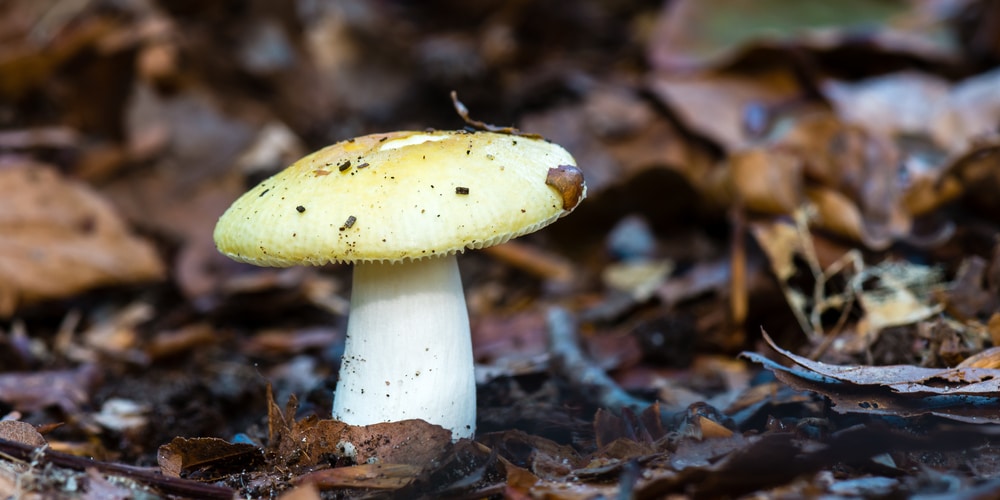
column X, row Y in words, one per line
column 401, row 196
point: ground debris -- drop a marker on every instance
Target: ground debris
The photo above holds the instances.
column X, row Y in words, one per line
column 61, row 238
column 965, row 394
column 827, row 174
column 66, row 389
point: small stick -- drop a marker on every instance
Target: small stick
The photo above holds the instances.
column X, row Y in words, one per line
column 571, row 364
column 167, row 485
column 533, row 260
column 480, row 125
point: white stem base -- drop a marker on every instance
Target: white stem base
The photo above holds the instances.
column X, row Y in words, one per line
column 408, row 352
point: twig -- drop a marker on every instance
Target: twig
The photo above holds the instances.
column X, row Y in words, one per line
column 166, row 484
column 480, row 125
column 533, row 260
column 571, row 364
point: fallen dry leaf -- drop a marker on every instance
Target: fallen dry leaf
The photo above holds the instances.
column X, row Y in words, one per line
column 66, row 389
column 22, row 432
column 308, row 441
column 728, row 467
column 964, row 394
column 61, row 238
column 284, row 343
column 26, row 63
column 719, row 105
column 989, row 358
column 977, row 171
column 412, row 442
column 768, row 180
column 542, row 457
column 953, row 117
column 896, row 293
column 182, row 456
column 644, row 427
column 897, row 104
column 375, row 476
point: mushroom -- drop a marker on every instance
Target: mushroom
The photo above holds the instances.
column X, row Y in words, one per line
column 400, row 206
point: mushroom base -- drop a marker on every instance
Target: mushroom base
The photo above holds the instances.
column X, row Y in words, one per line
column 408, row 352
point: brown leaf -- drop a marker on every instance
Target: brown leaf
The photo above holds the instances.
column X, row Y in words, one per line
column 182, row 456
column 519, row 481
column 990, row 358
column 993, row 326
column 768, row 180
column 711, row 429
column 499, row 336
column 645, row 427
column 715, row 105
column 26, row 65
column 978, row 172
column 968, row 298
column 542, row 457
column 307, row 441
column 972, row 112
column 413, row 442
column 375, row 476
column 735, row 466
column 894, row 105
column 66, row 389
column 185, row 339
column 61, row 238
column 22, row 432
column 279, row 342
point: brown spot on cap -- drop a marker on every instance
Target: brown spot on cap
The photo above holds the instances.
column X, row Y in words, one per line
column 568, row 181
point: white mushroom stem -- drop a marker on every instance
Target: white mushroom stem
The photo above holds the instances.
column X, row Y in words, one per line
column 408, row 352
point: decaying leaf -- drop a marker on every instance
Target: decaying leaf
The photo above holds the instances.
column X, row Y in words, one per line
column 311, row 441
column 740, row 464
column 66, row 389
column 645, row 427
column 543, row 457
column 855, row 139
column 61, row 238
column 889, row 294
column 965, row 394
column 786, row 244
column 902, row 294
column 22, row 432
column 720, row 105
column 366, row 476
column 769, row 181
column 214, row 456
column 989, row 358
column 897, row 104
column 922, row 105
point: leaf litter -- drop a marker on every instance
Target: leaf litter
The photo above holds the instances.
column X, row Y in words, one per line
column 825, row 174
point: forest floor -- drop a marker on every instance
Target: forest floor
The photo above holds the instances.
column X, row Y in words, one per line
column 784, row 281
